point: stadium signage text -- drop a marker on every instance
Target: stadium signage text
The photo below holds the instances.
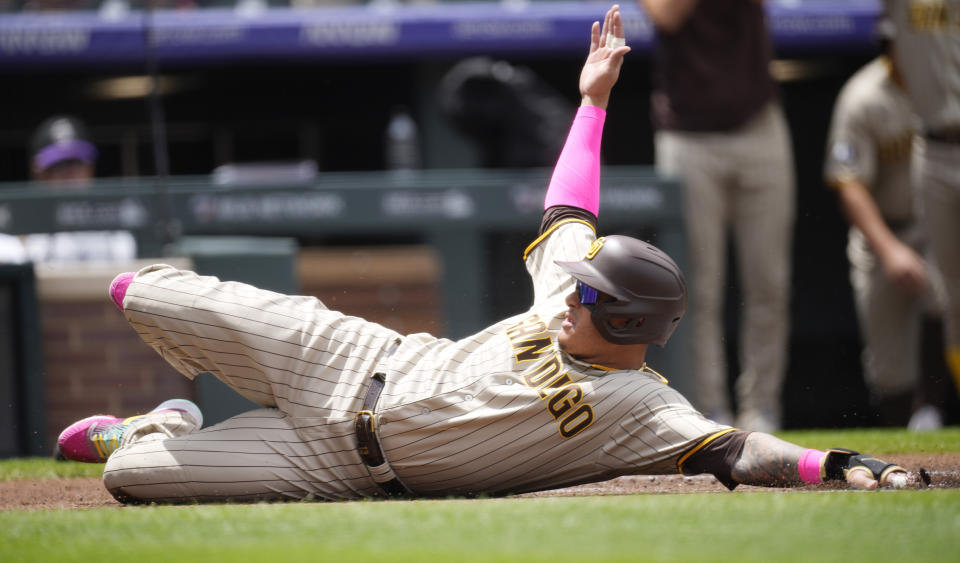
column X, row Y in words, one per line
column 265, row 208
column 450, row 204
column 350, row 34
column 45, row 41
column 127, row 213
column 498, row 29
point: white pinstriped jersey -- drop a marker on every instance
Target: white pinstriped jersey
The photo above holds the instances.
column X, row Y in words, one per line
column 501, row 411
column 506, row 410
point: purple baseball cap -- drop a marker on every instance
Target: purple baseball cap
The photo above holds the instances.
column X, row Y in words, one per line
column 62, row 138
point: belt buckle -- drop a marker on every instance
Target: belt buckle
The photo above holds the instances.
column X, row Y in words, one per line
column 364, row 424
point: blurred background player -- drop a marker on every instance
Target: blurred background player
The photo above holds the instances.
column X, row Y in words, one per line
column 927, row 49
column 868, row 163
column 721, row 130
column 62, row 154
column 63, row 157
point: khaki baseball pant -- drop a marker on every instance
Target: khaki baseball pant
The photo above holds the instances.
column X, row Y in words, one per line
column 309, row 366
column 936, row 170
column 890, row 319
column 741, row 181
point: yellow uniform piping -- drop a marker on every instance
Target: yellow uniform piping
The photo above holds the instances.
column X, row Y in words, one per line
column 552, row 228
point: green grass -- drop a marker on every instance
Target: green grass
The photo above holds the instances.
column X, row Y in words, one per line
column 863, row 526
column 878, row 441
column 745, row 526
column 46, row 468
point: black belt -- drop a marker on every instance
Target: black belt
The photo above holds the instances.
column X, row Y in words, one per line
column 367, row 443
column 949, row 135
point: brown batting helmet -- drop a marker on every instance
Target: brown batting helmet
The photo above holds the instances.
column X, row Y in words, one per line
column 649, row 289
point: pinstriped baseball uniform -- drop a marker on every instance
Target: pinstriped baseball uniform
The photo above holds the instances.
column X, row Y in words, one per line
column 870, row 143
column 871, row 135
column 927, row 45
column 502, row 411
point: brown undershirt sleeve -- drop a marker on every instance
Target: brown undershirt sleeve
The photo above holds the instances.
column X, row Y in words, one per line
column 559, row 213
column 717, row 457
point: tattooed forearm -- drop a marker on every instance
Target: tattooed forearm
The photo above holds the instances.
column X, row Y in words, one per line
column 767, row 461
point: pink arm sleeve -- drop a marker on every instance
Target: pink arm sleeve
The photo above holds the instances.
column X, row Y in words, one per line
column 576, row 178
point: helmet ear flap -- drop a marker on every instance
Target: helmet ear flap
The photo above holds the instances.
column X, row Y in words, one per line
column 635, row 323
column 627, row 333
column 628, row 324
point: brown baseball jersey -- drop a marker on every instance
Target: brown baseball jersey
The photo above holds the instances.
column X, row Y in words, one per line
column 502, row 411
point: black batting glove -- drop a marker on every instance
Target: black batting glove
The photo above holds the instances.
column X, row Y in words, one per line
column 840, row 462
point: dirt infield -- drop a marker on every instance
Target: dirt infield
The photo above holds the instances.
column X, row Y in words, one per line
column 944, row 470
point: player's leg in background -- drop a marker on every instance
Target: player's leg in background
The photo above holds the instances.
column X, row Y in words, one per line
column 697, row 160
column 936, row 403
column 934, row 400
column 261, row 455
column 763, row 221
column 936, row 169
column 276, row 350
column 890, row 327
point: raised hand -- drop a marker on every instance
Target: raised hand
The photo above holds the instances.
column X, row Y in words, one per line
column 602, row 67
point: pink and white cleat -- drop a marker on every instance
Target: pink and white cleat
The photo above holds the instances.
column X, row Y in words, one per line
column 94, row 438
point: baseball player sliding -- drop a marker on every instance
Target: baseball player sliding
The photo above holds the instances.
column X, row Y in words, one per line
column 555, row 396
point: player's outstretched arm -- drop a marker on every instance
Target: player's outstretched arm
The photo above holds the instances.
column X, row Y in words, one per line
column 770, row 461
column 576, row 177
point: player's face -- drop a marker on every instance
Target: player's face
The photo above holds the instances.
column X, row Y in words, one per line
column 67, row 174
column 578, row 337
